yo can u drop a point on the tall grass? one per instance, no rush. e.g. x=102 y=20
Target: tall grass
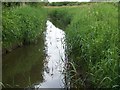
x=22 y=25
x=92 y=38
x=92 y=45
x=60 y=17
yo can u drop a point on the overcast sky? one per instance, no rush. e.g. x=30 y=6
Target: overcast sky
x=68 y=0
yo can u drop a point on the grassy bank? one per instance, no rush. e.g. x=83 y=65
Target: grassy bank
x=22 y=25
x=92 y=44
x=91 y=37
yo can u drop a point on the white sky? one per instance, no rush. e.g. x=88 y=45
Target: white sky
x=68 y=0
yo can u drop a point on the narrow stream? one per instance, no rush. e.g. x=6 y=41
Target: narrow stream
x=29 y=67
x=54 y=62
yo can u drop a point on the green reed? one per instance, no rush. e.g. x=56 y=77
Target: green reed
x=92 y=44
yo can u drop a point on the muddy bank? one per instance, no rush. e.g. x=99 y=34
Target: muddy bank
x=15 y=46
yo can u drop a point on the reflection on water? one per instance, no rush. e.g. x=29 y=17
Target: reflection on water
x=55 y=59
x=28 y=66
x=23 y=66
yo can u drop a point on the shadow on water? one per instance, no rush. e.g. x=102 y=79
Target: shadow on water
x=28 y=66
x=23 y=66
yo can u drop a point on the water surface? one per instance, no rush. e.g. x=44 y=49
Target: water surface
x=37 y=66
x=55 y=59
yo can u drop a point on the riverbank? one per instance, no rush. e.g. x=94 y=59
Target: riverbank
x=91 y=34
x=22 y=26
x=92 y=44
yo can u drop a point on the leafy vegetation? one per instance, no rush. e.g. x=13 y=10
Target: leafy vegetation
x=56 y=15
x=92 y=45
x=22 y=25
x=92 y=38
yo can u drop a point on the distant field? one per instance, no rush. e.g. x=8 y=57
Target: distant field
x=63 y=6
